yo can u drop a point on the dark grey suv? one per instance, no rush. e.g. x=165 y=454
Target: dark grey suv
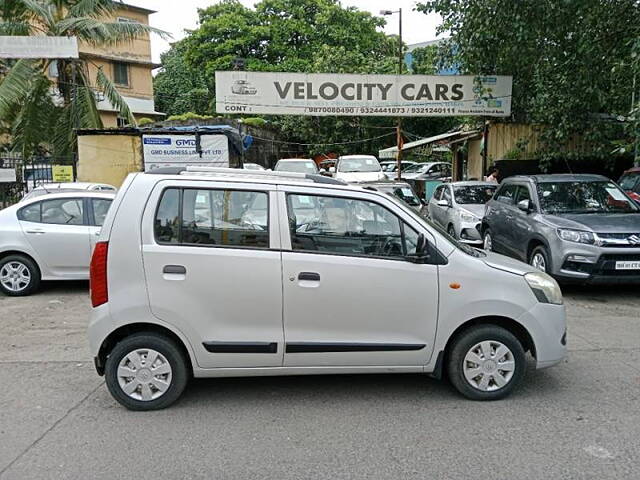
x=580 y=228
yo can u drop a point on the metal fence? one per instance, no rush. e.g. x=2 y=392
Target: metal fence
x=19 y=176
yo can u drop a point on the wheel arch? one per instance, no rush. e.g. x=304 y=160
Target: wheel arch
x=126 y=330
x=533 y=243
x=513 y=326
x=7 y=253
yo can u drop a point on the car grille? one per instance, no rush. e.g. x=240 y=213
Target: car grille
x=620 y=240
x=607 y=265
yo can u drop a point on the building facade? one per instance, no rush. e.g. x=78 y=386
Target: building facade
x=128 y=65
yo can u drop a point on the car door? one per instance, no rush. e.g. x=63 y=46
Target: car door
x=335 y=263
x=519 y=234
x=499 y=215
x=435 y=210
x=212 y=265
x=57 y=230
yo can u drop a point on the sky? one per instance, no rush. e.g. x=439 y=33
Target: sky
x=174 y=16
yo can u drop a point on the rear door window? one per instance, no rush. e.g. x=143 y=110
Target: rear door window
x=209 y=217
x=63 y=211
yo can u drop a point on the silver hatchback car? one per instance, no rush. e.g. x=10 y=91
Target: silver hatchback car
x=577 y=228
x=459 y=207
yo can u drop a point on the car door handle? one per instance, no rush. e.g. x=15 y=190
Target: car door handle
x=37 y=232
x=174 y=269
x=310 y=276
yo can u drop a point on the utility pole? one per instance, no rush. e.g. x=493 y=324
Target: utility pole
x=399 y=141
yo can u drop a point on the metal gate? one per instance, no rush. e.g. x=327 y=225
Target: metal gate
x=19 y=176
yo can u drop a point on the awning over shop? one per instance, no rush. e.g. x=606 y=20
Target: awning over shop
x=443 y=139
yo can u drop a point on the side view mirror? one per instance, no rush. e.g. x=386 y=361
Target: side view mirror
x=422 y=250
x=443 y=203
x=525 y=205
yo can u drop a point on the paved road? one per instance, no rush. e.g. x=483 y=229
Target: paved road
x=578 y=420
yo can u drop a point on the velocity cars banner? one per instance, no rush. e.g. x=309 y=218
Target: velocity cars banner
x=381 y=95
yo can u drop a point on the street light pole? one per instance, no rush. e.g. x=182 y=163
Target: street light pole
x=400 y=62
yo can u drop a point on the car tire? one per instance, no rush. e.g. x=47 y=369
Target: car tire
x=475 y=360
x=540 y=259
x=452 y=231
x=487 y=240
x=161 y=389
x=19 y=276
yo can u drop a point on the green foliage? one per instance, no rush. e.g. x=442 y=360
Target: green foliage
x=561 y=55
x=425 y=60
x=187 y=116
x=41 y=114
x=254 y=121
x=145 y=121
x=178 y=87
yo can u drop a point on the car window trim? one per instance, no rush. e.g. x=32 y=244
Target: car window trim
x=201 y=245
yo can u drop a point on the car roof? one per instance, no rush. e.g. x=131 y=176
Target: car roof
x=559 y=177
x=473 y=183
x=347 y=157
x=633 y=170
x=265 y=177
x=295 y=160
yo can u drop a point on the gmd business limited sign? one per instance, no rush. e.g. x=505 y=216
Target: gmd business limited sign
x=382 y=95
x=180 y=150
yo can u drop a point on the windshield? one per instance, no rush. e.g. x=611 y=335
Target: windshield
x=583 y=197
x=628 y=181
x=475 y=194
x=296 y=167
x=360 y=164
x=404 y=193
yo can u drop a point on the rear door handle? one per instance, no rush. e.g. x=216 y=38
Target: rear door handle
x=39 y=232
x=311 y=276
x=174 y=269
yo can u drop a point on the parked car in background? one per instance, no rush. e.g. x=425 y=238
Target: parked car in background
x=328 y=167
x=630 y=182
x=428 y=171
x=401 y=190
x=296 y=165
x=459 y=207
x=46 y=188
x=49 y=237
x=312 y=299
x=358 y=168
x=579 y=228
x=390 y=169
x=252 y=166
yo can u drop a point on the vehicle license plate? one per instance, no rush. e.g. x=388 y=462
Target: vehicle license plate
x=628 y=265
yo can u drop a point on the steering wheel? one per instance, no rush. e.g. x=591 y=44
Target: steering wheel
x=391 y=248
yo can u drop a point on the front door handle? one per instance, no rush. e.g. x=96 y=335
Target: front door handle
x=175 y=269
x=38 y=232
x=311 y=276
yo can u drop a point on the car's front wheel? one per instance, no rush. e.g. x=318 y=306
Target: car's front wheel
x=487 y=240
x=19 y=276
x=486 y=362
x=539 y=259
x=146 y=371
x=452 y=231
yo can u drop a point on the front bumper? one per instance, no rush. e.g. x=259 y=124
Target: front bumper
x=469 y=232
x=596 y=265
x=546 y=323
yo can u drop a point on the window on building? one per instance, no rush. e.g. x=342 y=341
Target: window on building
x=127 y=20
x=121 y=73
x=121 y=122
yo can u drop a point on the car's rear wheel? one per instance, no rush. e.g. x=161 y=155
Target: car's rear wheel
x=19 y=275
x=487 y=240
x=146 y=371
x=539 y=259
x=486 y=362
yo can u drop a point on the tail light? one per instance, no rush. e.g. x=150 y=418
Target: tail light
x=98 y=274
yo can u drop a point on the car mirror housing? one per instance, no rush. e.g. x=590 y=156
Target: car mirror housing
x=443 y=203
x=422 y=251
x=525 y=205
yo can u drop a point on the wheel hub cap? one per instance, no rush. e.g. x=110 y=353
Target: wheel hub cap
x=144 y=374
x=489 y=366
x=15 y=276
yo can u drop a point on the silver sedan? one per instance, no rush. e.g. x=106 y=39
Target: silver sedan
x=49 y=237
x=459 y=207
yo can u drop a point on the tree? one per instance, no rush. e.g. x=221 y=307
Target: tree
x=312 y=36
x=561 y=55
x=178 y=87
x=40 y=112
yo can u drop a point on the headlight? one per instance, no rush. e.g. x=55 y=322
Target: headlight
x=467 y=217
x=577 y=236
x=544 y=287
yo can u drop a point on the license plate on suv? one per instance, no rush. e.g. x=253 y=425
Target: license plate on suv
x=634 y=265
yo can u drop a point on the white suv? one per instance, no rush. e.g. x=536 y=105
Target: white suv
x=215 y=272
